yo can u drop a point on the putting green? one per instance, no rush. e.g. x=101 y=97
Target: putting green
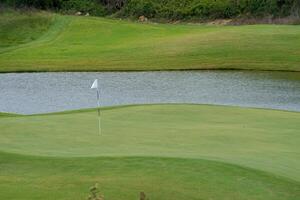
x=163 y=150
x=93 y=44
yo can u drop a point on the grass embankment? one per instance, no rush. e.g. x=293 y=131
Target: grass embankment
x=98 y=44
x=255 y=153
x=18 y=28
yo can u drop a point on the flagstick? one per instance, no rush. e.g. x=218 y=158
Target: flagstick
x=98 y=102
x=95 y=86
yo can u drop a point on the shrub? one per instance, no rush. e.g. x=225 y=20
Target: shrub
x=140 y=7
x=41 y=4
x=170 y=9
x=94 y=7
x=212 y=9
x=85 y=6
x=177 y=9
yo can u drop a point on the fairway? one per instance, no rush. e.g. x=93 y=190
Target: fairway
x=69 y=43
x=168 y=151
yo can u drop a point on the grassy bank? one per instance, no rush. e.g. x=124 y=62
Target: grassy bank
x=25 y=177
x=22 y=27
x=163 y=150
x=98 y=44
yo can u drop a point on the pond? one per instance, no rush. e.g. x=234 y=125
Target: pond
x=32 y=93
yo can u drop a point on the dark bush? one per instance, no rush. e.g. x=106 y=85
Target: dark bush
x=41 y=4
x=93 y=7
x=210 y=9
x=177 y=9
x=140 y=7
x=84 y=6
x=170 y=9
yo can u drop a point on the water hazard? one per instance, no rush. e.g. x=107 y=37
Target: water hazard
x=31 y=93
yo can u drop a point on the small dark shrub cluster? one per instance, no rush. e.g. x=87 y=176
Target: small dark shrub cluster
x=95 y=194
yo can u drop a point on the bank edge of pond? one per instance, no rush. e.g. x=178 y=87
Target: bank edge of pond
x=105 y=108
x=150 y=70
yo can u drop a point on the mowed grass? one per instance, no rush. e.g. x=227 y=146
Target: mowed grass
x=99 y=44
x=168 y=151
x=35 y=178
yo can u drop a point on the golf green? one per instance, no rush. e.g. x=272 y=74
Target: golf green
x=167 y=151
x=69 y=43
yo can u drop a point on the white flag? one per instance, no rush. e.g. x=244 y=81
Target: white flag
x=95 y=84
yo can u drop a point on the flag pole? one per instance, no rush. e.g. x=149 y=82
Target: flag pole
x=95 y=86
x=99 y=118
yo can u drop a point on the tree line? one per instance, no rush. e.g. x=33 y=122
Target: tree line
x=168 y=9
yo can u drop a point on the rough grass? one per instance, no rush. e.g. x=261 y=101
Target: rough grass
x=22 y=27
x=163 y=150
x=97 y=44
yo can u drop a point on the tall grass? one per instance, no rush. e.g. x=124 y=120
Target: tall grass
x=18 y=27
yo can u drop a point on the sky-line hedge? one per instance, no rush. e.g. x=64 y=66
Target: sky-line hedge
x=169 y=9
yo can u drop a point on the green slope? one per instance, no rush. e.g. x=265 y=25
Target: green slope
x=93 y=44
x=262 y=139
x=35 y=178
x=18 y=28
